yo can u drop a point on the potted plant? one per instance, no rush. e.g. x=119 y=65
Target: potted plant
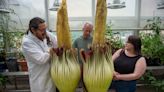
x=3 y=66
x=22 y=62
x=16 y=44
x=152 y=44
x=3 y=81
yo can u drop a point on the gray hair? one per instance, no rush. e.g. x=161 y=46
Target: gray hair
x=88 y=25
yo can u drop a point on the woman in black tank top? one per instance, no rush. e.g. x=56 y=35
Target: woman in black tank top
x=129 y=65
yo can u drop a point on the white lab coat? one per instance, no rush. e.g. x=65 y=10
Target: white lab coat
x=38 y=61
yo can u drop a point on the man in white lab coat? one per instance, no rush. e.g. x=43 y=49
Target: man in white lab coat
x=36 y=50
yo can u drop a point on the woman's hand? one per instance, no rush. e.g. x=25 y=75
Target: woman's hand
x=115 y=75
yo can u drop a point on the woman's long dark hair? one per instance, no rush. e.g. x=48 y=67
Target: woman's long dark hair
x=34 y=23
x=136 y=41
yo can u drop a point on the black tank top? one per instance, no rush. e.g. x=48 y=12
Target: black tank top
x=125 y=64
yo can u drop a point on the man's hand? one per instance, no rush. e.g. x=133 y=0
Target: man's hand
x=57 y=51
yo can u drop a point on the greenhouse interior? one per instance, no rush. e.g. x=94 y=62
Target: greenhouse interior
x=42 y=48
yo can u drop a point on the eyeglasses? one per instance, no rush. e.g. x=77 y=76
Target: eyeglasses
x=42 y=30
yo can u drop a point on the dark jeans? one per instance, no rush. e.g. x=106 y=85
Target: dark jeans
x=124 y=86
